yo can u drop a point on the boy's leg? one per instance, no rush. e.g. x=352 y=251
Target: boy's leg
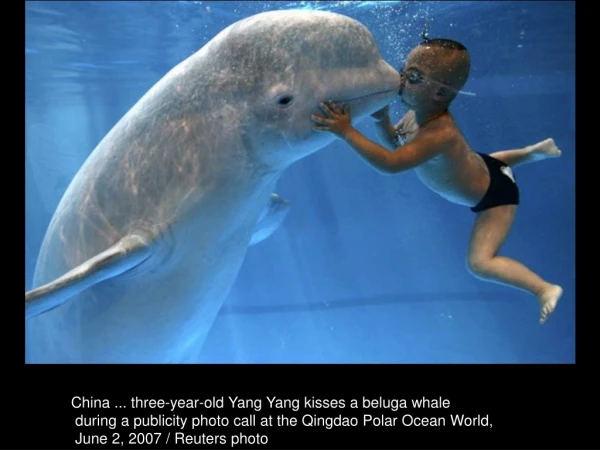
x=489 y=233
x=536 y=152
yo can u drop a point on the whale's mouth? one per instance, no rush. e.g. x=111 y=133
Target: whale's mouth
x=370 y=94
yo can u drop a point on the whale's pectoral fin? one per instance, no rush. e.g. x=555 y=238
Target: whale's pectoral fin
x=124 y=255
x=271 y=218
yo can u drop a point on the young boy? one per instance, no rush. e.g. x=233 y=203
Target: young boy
x=430 y=142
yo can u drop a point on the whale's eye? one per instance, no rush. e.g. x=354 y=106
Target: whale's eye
x=284 y=100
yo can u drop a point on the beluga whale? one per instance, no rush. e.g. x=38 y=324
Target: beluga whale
x=151 y=233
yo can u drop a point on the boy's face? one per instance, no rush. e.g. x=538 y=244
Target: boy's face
x=421 y=76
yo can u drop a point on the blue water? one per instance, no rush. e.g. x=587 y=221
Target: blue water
x=366 y=268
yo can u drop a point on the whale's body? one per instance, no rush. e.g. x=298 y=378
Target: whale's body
x=150 y=235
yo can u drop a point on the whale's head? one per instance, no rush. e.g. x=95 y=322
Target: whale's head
x=280 y=65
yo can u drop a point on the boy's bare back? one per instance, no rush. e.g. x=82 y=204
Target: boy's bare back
x=457 y=173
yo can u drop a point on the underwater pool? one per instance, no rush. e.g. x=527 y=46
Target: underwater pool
x=365 y=267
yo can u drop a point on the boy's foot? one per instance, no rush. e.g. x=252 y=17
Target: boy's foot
x=544 y=149
x=548 y=300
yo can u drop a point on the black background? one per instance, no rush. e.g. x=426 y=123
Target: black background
x=528 y=406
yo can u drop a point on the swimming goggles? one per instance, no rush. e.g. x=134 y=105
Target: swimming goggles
x=414 y=76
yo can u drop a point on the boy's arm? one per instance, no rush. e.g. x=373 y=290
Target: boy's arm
x=426 y=145
x=413 y=154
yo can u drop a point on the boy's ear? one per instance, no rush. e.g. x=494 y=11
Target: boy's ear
x=442 y=93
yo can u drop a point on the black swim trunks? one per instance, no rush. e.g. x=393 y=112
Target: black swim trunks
x=503 y=189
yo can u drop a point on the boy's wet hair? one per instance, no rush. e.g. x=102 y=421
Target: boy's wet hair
x=451 y=44
x=443 y=43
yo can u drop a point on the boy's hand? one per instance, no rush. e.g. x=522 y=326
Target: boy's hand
x=381 y=114
x=337 y=120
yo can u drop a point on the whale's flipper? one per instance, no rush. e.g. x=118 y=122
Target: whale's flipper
x=124 y=255
x=271 y=218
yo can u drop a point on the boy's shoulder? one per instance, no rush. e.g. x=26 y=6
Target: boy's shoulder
x=441 y=133
x=445 y=126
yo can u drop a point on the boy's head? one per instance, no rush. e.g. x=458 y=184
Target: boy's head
x=434 y=72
